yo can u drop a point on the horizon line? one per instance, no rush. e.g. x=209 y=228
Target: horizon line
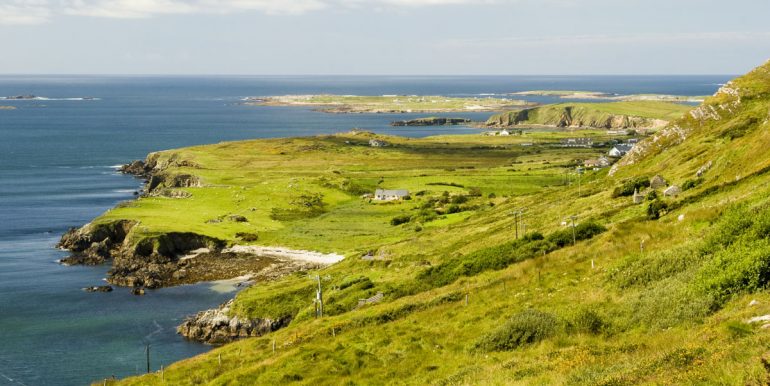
x=354 y=75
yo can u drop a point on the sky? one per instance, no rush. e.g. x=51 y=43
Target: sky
x=383 y=37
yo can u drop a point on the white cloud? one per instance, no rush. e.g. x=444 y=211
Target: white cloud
x=40 y=11
x=127 y=9
x=20 y=12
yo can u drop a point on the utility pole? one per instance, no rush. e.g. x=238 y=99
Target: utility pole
x=516 y=223
x=574 y=237
x=320 y=298
x=147 y=351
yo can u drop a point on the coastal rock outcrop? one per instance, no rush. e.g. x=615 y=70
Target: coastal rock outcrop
x=216 y=326
x=98 y=288
x=573 y=117
x=431 y=121
x=94 y=243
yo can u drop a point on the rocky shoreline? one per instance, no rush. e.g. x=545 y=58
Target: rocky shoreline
x=147 y=262
x=432 y=121
x=216 y=326
x=167 y=259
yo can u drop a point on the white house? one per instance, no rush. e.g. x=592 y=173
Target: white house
x=577 y=142
x=504 y=132
x=390 y=195
x=620 y=149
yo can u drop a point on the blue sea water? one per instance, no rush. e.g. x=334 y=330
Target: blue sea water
x=56 y=171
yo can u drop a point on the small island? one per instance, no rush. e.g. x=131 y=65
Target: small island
x=390 y=104
x=7 y=108
x=432 y=121
x=571 y=94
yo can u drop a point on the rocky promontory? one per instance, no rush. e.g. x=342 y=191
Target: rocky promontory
x=617 y=115
x=216 y=326
x=432 y=121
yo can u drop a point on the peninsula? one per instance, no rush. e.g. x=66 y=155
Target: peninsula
x=566 y=94
x=482 y=260
x=615 y=115
x=349 y=104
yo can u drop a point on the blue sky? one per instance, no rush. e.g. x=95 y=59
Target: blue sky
x=420 y=37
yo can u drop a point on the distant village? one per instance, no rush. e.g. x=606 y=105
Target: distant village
x=617 y=150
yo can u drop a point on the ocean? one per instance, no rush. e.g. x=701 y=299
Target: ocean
x=57 y=170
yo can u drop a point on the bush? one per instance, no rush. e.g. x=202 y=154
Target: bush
x=498 y=257
x=459 y=199
x=582 y=231
x=398 y=220
x=743 y=267
x=655 y=209
x=628 y=187
x=589 y=321
x=640 y=271
x=247 y=237
x=474 y=191
x=689 y=184
x=527 y=327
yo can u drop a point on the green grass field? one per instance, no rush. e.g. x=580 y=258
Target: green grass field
x=642 y=296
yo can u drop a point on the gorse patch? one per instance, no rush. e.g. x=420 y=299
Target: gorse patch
x=526 y=327
x=501 y=256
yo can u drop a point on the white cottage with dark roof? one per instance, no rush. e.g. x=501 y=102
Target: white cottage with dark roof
x=390 y=195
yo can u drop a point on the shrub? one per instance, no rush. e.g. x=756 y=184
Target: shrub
x=500 y=256
x=628 y=187
x=589 y=321
x=398 y=220
x=459 y=199
x=527 y=327
x=247 y=237
x=670 y=302
x=689 y=184
x=743 y=267
x=638 y=271
x=655 y=209
x=582 y=231
x=474 y=191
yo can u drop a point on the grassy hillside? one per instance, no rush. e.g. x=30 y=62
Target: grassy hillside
x=642 y=114
x=653 y=293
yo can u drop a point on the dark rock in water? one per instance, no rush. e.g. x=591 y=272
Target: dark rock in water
x=138 y=291
x=432 y=121
x=137 y=168
x=215 y=326
x=98 y=288
x=30 y=96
